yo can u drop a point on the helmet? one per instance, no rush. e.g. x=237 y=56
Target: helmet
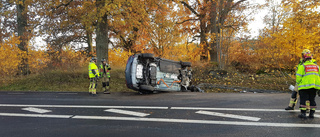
x=102 y=60
x=93 y=59
x=306 y=51
x=306 y=54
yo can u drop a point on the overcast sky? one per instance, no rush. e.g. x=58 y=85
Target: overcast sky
x=258 y=24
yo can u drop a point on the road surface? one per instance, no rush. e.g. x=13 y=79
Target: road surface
x=170 y=114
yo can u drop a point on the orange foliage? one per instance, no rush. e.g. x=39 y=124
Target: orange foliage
x=183 y=52
x=118 y=57
x=37 y=60
x=243 y=58
x=67 y=59
x=10 y=56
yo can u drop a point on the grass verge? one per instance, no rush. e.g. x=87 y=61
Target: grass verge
x=63 y=81
x=78 y=81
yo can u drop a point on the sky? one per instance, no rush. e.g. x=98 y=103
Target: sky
x=258 y=24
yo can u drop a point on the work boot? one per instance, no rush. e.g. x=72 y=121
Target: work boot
x=289 y=108
x=311 y=114
x=303 y=114
x=94 y=95
x=106 y=91
x=292 y=103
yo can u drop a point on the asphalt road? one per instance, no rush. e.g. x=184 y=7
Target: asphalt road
x=179 y=114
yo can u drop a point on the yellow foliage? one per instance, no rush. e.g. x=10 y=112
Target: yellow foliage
x=183 y=52
x=37 y=60
x=118 y=57
x=10 y=56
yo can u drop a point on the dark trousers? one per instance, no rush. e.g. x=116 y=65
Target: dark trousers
x=294 y=94
x=307 y=94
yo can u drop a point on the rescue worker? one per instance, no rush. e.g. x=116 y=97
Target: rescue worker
x=308 y=80
x=295 y=95
x=93 y=75
x=105 y=76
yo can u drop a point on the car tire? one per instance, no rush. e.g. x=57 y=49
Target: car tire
x=183 y=89
x=146 y=88
x=147 y=55
x=186 y=64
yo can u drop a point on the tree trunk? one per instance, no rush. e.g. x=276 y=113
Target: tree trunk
x=203 y=40
x=22 y=33
x=89 y=42
x=102 y=39
x=213 y=21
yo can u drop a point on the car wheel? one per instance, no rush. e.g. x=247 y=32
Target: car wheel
x=147 y=55
x=146 y=88
x=183 y=89
x=186 y=64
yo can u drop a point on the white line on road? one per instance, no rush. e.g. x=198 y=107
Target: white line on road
x=199 y=121
x=126 y=112
x=232 y=109
x=35 y=115
x=149 y=107
x=228 y=115
x=37 y=110
x=80 y=106
x=190 y=121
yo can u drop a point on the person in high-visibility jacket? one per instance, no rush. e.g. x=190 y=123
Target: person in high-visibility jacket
x=295 y=95
x=93 y=75
x=105 y=75
x=308 y=80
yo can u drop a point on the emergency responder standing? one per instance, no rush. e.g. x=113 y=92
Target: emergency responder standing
x=308 y=80
x=295 y=95
x=93 y=75
x=105 y=76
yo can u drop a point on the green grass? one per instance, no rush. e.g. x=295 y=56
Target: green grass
x=78 y=81
x=64 y=81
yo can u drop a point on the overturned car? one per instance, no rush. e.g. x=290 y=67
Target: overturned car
x=146 y=73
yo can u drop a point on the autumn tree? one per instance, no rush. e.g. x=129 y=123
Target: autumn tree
x=299 y=30
x=8 y=20
x=210 y=17
x=15 y=20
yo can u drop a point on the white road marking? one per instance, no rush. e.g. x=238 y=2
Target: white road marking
x=79 y=106
x=190 y=121
x=198 y=121
x=35 y=115
x=315 y=115
x=148 y=107
x=228 y=115
x=233 y=109
x=126 y=112
x=37 y=110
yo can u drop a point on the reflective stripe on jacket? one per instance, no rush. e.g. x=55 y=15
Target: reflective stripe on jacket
x=301 y=63
x=307 y=76
x=104 y=69
x=93 y=70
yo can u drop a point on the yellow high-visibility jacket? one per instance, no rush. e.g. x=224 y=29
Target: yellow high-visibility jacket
x=307 y=75
x=93 y=70
x=105 y=69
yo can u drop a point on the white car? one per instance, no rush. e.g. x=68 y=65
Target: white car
x=146 y=73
